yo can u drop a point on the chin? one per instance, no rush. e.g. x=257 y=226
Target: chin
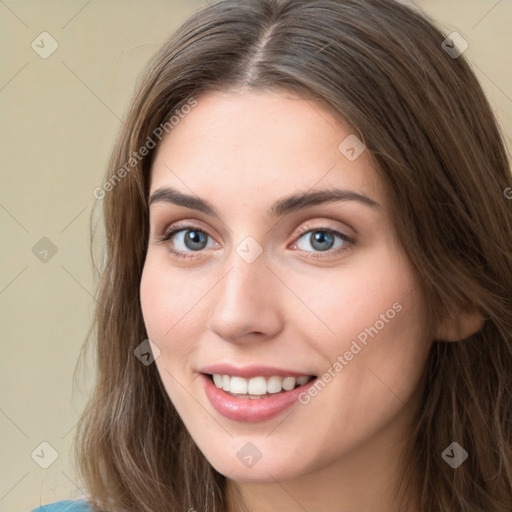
x=276 y=467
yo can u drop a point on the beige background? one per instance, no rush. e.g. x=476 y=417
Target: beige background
x=60 y=116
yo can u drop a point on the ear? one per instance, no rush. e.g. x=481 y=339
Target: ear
x=459 y=325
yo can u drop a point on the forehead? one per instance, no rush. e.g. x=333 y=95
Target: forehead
x=256 y=146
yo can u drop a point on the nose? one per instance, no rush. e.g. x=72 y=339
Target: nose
x=245 y=304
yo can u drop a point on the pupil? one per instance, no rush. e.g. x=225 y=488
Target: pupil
x=319 y=237
x=195 y=237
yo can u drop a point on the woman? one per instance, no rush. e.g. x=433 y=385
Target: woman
x=306 y=214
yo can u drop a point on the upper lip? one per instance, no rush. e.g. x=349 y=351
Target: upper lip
x=250 y=371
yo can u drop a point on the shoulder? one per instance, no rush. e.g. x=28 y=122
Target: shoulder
x=65 y=506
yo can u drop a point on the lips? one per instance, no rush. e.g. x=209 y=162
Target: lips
x=252 y=393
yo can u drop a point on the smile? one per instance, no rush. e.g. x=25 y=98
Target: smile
x=258 y=387
x=252 y=394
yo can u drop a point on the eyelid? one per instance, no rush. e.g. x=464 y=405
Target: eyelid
x=178 y=226
x=306 y=228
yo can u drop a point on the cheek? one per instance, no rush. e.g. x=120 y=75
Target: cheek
x=375 y=343
x=173 y=307
x=154 y=301
x=378 y=297
x=162 y=304
x=164 y=296
x=164 y=311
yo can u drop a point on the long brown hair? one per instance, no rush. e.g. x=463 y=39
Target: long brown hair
x=438 y=149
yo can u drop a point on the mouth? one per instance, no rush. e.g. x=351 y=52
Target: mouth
x=255 y=397
x=253 y=393
x=258 y=387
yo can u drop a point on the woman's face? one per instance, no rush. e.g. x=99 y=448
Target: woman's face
x=273 y=289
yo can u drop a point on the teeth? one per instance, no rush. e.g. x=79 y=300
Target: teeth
x=274 y=384
x=257 y=386
x=288 y=383
x=218 y=380
x=302 y=380
x=238 y=385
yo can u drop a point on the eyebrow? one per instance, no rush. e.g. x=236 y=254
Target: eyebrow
x=281 y=207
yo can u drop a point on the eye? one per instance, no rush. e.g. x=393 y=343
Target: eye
x=322 y=240
x=189 y=239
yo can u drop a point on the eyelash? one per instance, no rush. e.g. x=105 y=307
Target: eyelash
x=176 y=228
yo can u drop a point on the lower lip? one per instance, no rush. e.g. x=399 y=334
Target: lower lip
x=247 y=409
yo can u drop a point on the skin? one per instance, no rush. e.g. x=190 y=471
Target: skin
x=242 y=151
